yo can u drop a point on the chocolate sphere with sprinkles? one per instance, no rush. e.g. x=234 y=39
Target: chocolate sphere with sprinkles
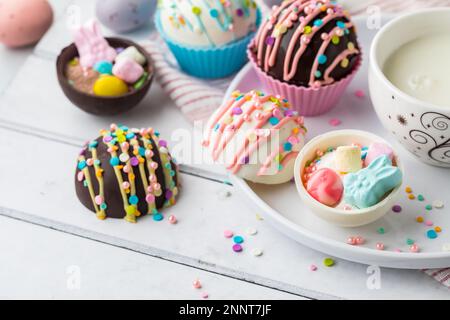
x=126 y=173
x=308 y=43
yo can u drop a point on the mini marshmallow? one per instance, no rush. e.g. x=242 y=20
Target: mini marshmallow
x=376 y=150
x=133 y=54
x=325 y=186
x=128 y=70
x=348 y=159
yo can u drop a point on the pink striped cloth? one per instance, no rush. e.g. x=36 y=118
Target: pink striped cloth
x=197 y=99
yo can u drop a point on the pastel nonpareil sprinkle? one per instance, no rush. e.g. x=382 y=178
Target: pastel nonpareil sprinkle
x=334 y=122
x=257 y=252
x=360 y=93
x=438 y=204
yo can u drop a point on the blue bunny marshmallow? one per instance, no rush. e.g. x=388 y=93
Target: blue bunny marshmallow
x=368 y=186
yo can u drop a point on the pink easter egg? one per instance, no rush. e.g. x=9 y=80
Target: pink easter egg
x=24 y=22
x=325 y=186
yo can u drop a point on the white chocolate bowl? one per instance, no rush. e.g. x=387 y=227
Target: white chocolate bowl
x=340 y=217
x=421 y=127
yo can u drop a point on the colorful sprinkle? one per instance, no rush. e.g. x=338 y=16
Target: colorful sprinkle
x=429 y=223
x=360 y=240
x=411 y=196
x=340 y=24
x=173 y=219
x=214 y=13
x=414 y=248
x=438 y=229
x=287 y=147
x=431 y=234
x=270 y=41
x=381 y=231
x=429 y=207
x=408 y=190
x=397 y=208
x=379 y=246
x=237 y=248
x=322 y=59
x=438 y=204
x=335 y=40
x=409 y=242
x=134 y=199
x=196 y=10
x=334 y=122
x=274 y=121
x=158 y=217
x=257 y=252
x=81 y=165
x=420 y=197
x=419 y=219
x=328 y=262
x=197 y=284
x=238 y=239
x=360 y=93
x=205 y=295
x=228 y=234
x=114 y=161
x=351 y=241
x=313 y=267
x=236 y=111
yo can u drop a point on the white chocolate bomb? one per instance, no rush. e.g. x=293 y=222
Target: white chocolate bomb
x=256 y=136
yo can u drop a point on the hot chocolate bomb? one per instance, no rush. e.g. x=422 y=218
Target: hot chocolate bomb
x=307 y=43
x=126 y=173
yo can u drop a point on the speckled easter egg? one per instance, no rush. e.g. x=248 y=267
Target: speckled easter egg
x=125 y=16
x=24 y=22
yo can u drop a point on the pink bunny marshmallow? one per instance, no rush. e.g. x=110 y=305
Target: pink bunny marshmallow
x=91 y=45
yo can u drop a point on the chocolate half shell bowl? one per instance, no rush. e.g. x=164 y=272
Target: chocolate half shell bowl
x=102 y=105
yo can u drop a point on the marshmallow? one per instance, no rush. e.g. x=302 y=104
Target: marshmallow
x=348 y=159
x=378 y=149
x=133 y=54
x=325 y=186
x=368 y=186
x=128 y=70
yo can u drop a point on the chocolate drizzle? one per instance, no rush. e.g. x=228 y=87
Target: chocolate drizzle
x=125 y=173
x=307 y=43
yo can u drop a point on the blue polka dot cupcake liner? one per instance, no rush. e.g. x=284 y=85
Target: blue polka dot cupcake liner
x=210 y=63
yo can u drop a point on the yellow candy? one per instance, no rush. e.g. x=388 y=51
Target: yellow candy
x=344 y=63
x=110 y=86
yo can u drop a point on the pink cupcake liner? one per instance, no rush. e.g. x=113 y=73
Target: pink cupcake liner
x=308 y=102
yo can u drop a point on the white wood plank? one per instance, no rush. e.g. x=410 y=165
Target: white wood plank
x=37 y=183
x=39 y=263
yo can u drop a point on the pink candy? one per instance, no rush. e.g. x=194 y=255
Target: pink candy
x=376 y=150
x=91 y=45
x=325 y=186
x=128 y=70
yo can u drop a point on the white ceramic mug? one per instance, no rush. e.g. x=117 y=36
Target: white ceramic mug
x=421 y=127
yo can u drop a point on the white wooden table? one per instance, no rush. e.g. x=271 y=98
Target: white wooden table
x=53 y=248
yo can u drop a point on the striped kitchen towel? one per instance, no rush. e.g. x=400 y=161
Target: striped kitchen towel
x=197 y=99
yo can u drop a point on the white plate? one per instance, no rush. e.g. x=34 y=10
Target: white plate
x=282 y=207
